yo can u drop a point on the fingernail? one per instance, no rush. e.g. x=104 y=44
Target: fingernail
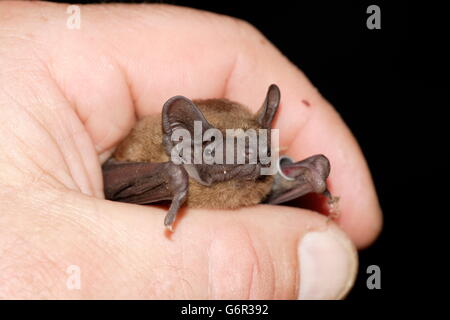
x=328 y=265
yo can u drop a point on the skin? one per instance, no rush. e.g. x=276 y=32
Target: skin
x=68 y=97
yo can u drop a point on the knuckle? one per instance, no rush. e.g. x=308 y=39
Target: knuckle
x=248 y=31
x=239 y=266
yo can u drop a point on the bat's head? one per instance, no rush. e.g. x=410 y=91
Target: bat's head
x=217 y=139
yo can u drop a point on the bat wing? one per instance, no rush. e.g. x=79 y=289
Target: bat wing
x=136 y=182
x=295 y=179
x=146 y=182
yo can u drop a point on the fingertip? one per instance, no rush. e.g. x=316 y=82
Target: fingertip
x=328 y=264
x=349 y=179
x=363 y=227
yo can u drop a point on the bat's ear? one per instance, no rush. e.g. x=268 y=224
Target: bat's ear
x=267 y=111
x=181 y=113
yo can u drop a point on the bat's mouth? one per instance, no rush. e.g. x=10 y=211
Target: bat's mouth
x=250 y=171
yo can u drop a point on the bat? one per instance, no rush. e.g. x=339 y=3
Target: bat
x=142 y=169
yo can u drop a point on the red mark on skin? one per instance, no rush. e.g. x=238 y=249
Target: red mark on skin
x=306 y=103
x=312 y=201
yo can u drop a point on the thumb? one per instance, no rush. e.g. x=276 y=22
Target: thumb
x=261 y=252
x=123 y=251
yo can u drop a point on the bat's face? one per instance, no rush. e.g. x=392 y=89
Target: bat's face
x=243 y=162
x=225 y=141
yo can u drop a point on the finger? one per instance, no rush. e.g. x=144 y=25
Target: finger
x=207 y=56
x=123 y=251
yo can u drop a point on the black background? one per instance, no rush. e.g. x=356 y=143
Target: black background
x=386 y=84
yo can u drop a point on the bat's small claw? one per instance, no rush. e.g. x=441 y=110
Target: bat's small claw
x=327 y=194
x=169 y=227
x=333 y=205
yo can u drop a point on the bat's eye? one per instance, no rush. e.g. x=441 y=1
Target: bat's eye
x=210 y=153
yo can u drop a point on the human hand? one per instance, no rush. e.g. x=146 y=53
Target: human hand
x=69 y=96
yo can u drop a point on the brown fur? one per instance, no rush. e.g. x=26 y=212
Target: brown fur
x=144 y=144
